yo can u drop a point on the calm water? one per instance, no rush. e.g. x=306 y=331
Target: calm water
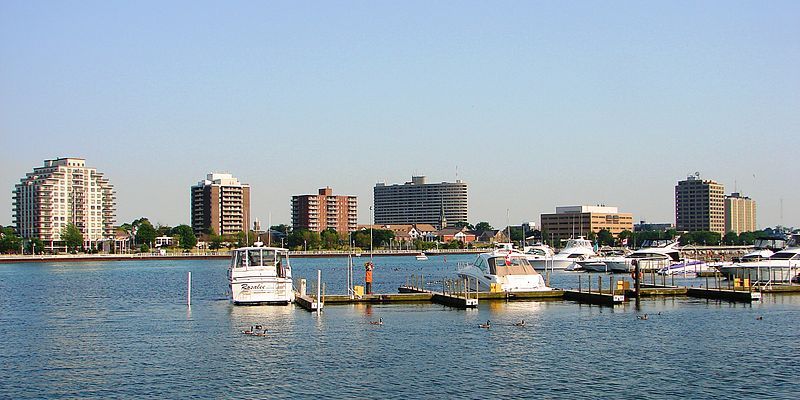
x=122 y=330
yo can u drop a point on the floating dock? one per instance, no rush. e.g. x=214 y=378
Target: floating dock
x=601 y=299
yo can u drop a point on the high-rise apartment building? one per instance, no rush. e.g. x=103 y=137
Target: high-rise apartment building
x=699 y=205
x=740 y=214
x=575 y=221
x=64 y=191
x=222 y=203
x=318 y=212
x=418 y=202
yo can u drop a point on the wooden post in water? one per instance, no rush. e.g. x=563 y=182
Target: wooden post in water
x=599 y=284
x=637 y=282
x=189 y=290
x=611 y=284
x=319 y=290
x=580 y=289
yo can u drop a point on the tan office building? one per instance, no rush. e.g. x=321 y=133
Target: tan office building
x=222 y=203
x=740 y=214
x=699 y=205
x=64 y=191
x=318 y=212
x=575 y=221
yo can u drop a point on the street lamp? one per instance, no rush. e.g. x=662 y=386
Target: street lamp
x=305 y=245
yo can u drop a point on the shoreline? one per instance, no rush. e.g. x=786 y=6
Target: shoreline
x=210 y=256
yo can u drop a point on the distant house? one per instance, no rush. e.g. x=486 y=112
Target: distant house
x=407 y=232
x=492 y=236
x=460 y=234
x=164 y=241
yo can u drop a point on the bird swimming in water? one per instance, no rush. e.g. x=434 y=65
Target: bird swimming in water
x=487 y=325
x=642 y=317
x=520 y=323
x=378 y=322
x=249 y=331
x=760 y=317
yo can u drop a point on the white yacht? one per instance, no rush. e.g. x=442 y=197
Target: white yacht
x=781 y=267
x=260 y=275
x=538 y=252
x=687 y=267
x=658 y=255
x=504 y=269
x=575 y=250
x=422 y=257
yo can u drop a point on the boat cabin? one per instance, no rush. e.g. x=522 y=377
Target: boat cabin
x=502 y=265
x=261 y=258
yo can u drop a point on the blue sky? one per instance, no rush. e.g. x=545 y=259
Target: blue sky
x=535 y=104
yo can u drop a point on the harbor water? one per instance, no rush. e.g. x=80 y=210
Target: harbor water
x=122 y=329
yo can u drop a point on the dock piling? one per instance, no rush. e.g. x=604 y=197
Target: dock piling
x=189 y=290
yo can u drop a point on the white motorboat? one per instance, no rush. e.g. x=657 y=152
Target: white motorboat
x=575 y=250
x=687 y=267
x=422 y=257
x=538 y=252
x=260 y=275
x=503 y=270
x=648 y=258
x=781 y=267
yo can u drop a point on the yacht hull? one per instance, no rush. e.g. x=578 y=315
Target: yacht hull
x=261 y=291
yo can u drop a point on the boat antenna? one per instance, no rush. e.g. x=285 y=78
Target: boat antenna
x=269 y=229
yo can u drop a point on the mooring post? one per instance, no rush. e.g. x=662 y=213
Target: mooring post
x=599 y=284
x=637 y=284
x=611 y=284
x=189 y=290
x=319 y=290
x=580 y=289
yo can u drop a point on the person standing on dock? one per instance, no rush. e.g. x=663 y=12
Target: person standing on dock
x=368 y=266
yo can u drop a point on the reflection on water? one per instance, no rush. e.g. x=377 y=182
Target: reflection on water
x=123 y=330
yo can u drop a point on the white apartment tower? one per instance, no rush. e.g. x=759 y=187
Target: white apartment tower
x=740 y=214
x=61 y=192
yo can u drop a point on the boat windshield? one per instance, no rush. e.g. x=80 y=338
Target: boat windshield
x=784 y=255
x=256 y=258
x=502 y=266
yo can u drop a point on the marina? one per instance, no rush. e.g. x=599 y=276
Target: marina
x=149 y=325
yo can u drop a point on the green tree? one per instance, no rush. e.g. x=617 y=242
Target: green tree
x=605 y=238
x=382 y=237
x=145 y=232
x=330 y=238
x=483 y=226
x=304 y=239
x=9 y=241
x=462 y=224
x=361 y=238
x=164 y=230
x=72 y=237
x=516 y=233
x=35 y=246
x=747 y=238
x=186 y=236
x=730 y=238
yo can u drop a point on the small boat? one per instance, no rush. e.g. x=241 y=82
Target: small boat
x=687 y=267
x=422 y=257
x=503 y=270
x=260 y=275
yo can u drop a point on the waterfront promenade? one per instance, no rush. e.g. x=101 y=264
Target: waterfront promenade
x=16 y=258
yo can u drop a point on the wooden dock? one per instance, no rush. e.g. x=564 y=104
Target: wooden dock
x=745 y=296
x=307 y=302
x=597 y=298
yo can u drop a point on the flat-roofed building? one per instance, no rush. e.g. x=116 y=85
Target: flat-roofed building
x=699 y=205
x=64 y=191
x=220 y=203
x=740 y=214
x=318 y=212
x=418 y=202
x=575 y=221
